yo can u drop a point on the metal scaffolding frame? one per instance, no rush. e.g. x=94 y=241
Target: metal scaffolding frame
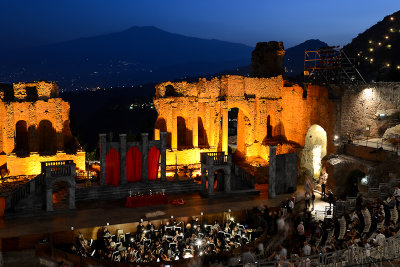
x=330 y=65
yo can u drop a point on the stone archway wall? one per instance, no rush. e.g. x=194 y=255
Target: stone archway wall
x=291 y=114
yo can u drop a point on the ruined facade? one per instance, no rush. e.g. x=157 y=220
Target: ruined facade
x=34 y=127
x=195 y=116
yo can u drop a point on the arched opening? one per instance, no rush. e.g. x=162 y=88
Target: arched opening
x=153 y=163
x=269 y=127
x=219 y=180
x=314 y=150
x=161 y=126
x=21 y=138
x=184 y=137
x=47 y=138
x=60 y=195
x=134 y=165
x=202 y=134
x=232 y=129
x=69 y=145
x=112 y=167
x=354 y=180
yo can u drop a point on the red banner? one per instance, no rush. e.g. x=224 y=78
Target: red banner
x=112 y=167
x=134 y=165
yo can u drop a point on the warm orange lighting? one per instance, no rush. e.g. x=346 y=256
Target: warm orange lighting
x=371 y=60
x=358 y=54
x=370 y=41
x=386 y=37
x=379 y=43
x=371 y=49
x=387 y=65
x=398 y=67
x=392 y=18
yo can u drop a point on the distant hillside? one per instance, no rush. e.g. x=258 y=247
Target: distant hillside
x=377 y=50
x=136 y=56
x=294 y=56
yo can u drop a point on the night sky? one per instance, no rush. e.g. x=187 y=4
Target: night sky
x=29 y=23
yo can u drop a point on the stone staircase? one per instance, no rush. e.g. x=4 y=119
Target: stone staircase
x=108 y=192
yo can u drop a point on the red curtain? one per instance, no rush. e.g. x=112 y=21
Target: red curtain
x=134 y=165
x=112 y=167
x=153 y=160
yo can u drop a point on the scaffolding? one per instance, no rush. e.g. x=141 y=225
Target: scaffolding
x=330 y=65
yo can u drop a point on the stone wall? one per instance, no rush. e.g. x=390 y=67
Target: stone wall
x=362 y=106
x=31 y=165
x=43 y=118
x=264 y=105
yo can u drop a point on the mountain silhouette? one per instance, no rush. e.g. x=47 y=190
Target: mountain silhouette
x=377 y=50
x=135 y=56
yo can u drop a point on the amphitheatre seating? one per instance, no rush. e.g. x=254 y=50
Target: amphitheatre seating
x=342 y=230
x=373 y=192
x=367 y=220
x=394 y=182
x=394 y=215
x=384 y=190
x=380 y=225
x=351 y=204
x=330 y=234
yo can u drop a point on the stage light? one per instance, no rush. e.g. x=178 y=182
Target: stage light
x=398 y=67
x=386 y=37
x=364 y=180
x=391 y=30
x=387 y=64
x=229 y=210
x=389 y=46
x=232 y=219
x=141 y=220
x=379 y=43
x=172 y=216
x=201 y=213
x=370 y=41
x=198 y=242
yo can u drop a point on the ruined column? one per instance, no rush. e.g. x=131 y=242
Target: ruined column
x=225 y=130
x=272 y=172
x=203 y=181
x=103 y=155
x=145 y=152
x=174 y=133
x=210 y=183
x=195 y=127
x=122 y=154
x=49 y=199
x=71 y=197
x=211 y=127
x=163 y=138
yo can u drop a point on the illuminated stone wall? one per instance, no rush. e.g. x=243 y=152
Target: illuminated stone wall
x=362 y=106
x=45 y=126
x=290 y=115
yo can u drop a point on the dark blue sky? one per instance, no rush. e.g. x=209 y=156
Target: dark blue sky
x=30 y=22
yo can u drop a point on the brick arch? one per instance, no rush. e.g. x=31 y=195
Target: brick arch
x=21 y=137
x=47 y=138
x=161 y=126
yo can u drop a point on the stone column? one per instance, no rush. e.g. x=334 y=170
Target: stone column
x=122 y=154
x=195 y=126
x=103 y=154
x=156 y=134
x=145 y=152
x=225 y=130
x=210 y=183
x=272 y=172
x=49 y=199
x=228 y=176
x=71 y=197
x=163 y=138
x=174 y=132
x=203 y=181
x=211 y=127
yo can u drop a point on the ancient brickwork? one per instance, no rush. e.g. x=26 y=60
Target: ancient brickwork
x=264 y=105
x=34 y=126
x=374 y=105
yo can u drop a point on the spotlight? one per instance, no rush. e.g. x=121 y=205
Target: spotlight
x=229 y=210
x=141 y=220
x=232 y=219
